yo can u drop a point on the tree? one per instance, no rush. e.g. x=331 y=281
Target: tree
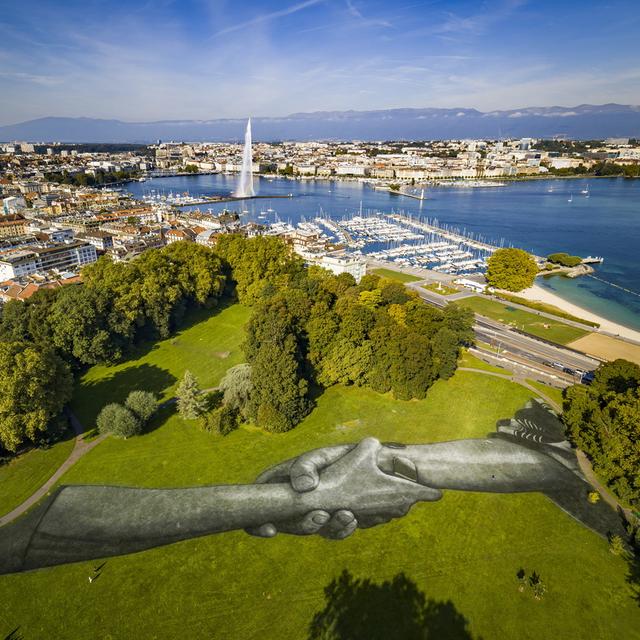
x=191 y=402
x=35 y=384
x=257 y=263
x=143 y=404
x=564 y=259
x=511 y=269
x=279 y=398
x=222 y=420
x=604 y=421
x=445 y=349
x=237 y=387
x=118 y=421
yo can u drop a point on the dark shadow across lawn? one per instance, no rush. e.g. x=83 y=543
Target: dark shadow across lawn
x=392 y=610
x=92 y=395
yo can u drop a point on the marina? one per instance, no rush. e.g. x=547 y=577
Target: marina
x=519 y=214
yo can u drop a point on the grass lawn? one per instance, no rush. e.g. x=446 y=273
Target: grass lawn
x=28 y=472
x=553 y=392
x=395 y=275
x=208 y=345
x=469 y=360
x=532 y=323
x=442 y=289
x=462 y=553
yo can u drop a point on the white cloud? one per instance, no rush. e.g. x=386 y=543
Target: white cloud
x=266 y=17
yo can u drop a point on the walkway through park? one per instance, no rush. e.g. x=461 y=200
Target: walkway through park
x=80 y=448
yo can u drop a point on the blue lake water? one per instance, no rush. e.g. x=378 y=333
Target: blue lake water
x=534 y=215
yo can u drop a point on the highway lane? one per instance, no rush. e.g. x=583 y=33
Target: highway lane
x=536 y=351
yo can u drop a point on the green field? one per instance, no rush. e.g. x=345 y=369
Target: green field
x=442 y=289
x=28 y=472
x=553 y=392
x=469 y=360
x=207 y=346
x=462 y=553
x=546 y=308
x=536 y=325
x=395 y=275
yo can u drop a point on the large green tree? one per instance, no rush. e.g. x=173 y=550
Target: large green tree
x=604 y=421
x=35 y=384
x=511 y=269
x=237 y=387
x=279 y=397
x=257 y=263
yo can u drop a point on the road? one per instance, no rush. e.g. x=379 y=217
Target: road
x=545 y=358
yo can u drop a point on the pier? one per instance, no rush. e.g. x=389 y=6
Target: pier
x=409 y=195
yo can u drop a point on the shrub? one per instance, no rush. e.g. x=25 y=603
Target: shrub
x=143 y=404
x=118 y=421
x=564 y=259
x=222 y=420
x=616 y=545
x=594 y=497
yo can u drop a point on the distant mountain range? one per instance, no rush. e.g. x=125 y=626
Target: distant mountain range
x=584 y=122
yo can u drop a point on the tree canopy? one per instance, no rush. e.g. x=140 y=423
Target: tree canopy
x=318 y=329
x=564 y=259
x=603 y=419
x=118 y=421
x=511 y=269
x=35 y=384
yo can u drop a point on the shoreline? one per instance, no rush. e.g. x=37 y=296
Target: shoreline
x=537 y=293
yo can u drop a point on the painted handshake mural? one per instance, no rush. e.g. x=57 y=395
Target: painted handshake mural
x=329 y=492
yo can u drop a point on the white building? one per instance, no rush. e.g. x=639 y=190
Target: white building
x=478 y=287
x=345 y=264
x=64 y=257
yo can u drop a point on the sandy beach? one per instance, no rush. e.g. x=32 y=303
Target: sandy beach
x=540 y=294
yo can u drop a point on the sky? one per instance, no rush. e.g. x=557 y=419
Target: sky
x=138 y=60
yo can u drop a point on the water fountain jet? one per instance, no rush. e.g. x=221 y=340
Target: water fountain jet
x=245 y=186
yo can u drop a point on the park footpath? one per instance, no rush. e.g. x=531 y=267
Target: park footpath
x=80 y=448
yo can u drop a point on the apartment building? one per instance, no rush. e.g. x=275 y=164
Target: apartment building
x=64 y=257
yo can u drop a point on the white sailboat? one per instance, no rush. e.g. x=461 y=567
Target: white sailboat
x=570 y=198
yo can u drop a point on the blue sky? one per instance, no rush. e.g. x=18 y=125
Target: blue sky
x=201 y=59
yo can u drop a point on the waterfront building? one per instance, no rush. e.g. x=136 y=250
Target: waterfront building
x=357 y=267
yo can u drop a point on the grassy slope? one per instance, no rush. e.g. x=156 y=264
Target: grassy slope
x=207 y=346
x=395 y=275
x=557 y=332
x=553 y=392
x=465 y=548
x=469 y=360
x=29 y=471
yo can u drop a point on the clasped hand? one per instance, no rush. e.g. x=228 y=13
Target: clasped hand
x=347 y=490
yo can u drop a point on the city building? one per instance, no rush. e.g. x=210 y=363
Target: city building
x=64 y=257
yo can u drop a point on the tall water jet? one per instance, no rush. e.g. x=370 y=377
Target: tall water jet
x=245 y=186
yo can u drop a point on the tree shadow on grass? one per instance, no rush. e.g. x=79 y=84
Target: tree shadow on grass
x=91 y=395
x=392 y=610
